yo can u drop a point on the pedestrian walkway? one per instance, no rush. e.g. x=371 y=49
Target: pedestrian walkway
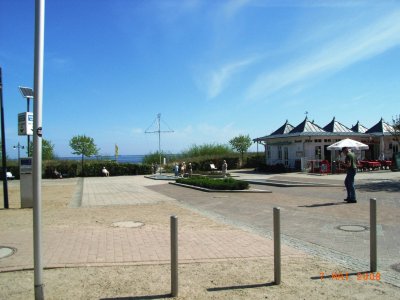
x=86 y=244
x=122 y=190
x=315 y=219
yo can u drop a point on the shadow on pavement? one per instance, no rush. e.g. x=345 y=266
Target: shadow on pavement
x=140 y=297
x=240 y=287
x=387 y=186
x=323 y=204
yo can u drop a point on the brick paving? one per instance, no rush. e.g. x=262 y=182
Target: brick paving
x=311 y=215
x=91 y=246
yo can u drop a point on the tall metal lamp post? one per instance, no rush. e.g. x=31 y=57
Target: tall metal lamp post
x=3 y=145
x=19 y=147
x=28 y=94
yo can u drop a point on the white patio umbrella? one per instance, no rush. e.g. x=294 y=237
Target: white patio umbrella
x=348 y=143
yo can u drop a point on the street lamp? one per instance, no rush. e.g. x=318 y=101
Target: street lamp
x=27 y=93
x=19 y=146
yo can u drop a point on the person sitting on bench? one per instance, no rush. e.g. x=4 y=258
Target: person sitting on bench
x=57 y=174
x=105 y=172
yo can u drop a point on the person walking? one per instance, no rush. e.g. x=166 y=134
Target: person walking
x=183 y=169
x=351 y=166
x=224 y=168
x=190 y=169
x=176 y=170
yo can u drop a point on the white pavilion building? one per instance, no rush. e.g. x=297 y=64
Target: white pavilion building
x=292 y=146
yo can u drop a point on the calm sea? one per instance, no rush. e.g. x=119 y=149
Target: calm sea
x=121 y=158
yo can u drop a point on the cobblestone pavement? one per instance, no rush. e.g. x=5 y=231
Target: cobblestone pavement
x=314 y=218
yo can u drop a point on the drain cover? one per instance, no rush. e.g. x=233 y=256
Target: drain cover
x=396 y=267
x=128 y=224
x=6 y=251
x=353 y=228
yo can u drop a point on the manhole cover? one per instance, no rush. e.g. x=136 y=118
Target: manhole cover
x=6 y=251
x=396 y=267
x=353 y=228
x=128 y=224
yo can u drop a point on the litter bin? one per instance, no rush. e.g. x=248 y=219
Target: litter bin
x=26 y=182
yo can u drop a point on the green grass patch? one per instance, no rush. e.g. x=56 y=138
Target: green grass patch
x=215 y=184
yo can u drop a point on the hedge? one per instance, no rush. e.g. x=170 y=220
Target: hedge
x=215 y=184
x=90 y=168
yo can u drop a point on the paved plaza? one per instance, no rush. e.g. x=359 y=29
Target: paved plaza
x=116 y=243
x=125 y=221
x=314 y=217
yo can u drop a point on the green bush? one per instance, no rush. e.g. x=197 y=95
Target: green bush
x=207 y=150
x=202 y=164
x=215 y=184
x=92 y=168
x=155 y=157
x=254 y=160
x=66 y=168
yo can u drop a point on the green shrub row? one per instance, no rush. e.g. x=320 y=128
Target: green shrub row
x=215 y=184
x=254 y=160
x=203 y=163
x=90 y=168
x=233 y=160
x=93 y=169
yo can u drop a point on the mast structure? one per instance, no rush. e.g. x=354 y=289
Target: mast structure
x=159 y=131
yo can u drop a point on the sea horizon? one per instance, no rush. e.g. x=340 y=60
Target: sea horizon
x=131 y=158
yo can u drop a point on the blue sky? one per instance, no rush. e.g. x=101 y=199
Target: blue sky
x=213 y=69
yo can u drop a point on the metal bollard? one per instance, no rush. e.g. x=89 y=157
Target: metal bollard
x=174 y=256
x=373 y=238
x=277 y=246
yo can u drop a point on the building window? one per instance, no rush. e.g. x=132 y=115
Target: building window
x=280 y=152
x=327 y=140
x=269 y=152
x=317 y=140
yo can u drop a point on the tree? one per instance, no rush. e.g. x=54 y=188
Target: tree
x=47 y=150
x=84 y=146
x=396 y=126
x=241 y=143
x=395 y=131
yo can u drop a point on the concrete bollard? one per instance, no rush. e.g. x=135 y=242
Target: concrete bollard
x=277 y=246
x=373 y=244
x=174 y=256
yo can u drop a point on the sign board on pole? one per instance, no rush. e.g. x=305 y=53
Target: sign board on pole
x=25 y=123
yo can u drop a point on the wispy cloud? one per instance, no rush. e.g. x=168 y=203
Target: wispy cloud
x=219 y=79
x=350 y=48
